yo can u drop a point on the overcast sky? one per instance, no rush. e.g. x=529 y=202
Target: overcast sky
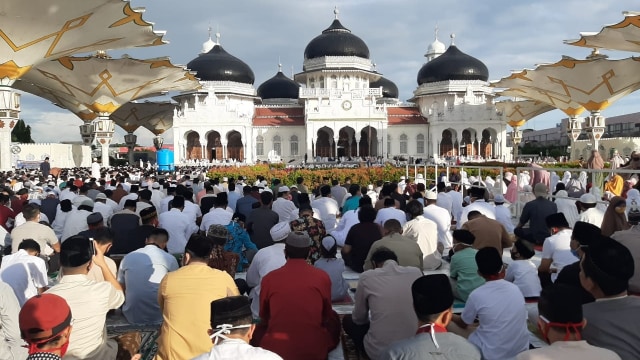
x=505 y=35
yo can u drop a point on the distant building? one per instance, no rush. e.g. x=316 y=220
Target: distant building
x=622 y=133
x=339 y=106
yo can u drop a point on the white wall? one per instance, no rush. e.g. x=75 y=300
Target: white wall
x=60 y=155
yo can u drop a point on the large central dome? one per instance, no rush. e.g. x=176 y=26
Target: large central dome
x=219 y=65
x=453 y=65
x=336 y=40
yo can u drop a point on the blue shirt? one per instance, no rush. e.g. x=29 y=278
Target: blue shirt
x=351 y=203
x=141 y=271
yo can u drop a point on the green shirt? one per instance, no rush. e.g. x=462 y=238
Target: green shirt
x=465 y=271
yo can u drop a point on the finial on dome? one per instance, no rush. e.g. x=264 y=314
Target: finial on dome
x=279 y=65
x=218 y=38
x=292 y=71
x=453 y=38
x=336 y=12
x=435 y=31
x=374 y=65
x=209 y=30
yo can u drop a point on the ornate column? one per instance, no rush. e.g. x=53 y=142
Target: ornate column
x=595 y=128
x=309 y=150
x=9 y=116
x=224 y=143
x=358 y=138
x=103 y=129
x=86 y=132
x=335 y=141
x=130 y=139
x=574 y=128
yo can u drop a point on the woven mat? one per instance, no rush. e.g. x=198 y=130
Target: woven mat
x=148 y=346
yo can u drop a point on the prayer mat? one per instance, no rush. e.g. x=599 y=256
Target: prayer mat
x=148 y=337
x=348 y=347
x=346 y=300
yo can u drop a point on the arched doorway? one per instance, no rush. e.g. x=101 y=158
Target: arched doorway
x=486 y=144
x=214 y=146
x=467 y=147
x=324 y=143
x=235 y=148
x=194 y=148
x=347 y=144
x=446 y=143
x=368 y=141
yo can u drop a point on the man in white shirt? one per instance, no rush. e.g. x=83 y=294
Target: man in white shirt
x=561 y=323
x=522 y=272
x=231 y=330
x=456 y=202
x=140 y=274
x=284 y=207
x=499 y=307
x=100 y=205
x=444 y=200
x=556 y=251
x=442 y=218
x=266 y=260
x=190 y=208
x=11 y=345
x=179 y=226
x=156 y=195
x=588 y=211
x=503 y=213
x=390 y=212
x=327 y=207
x=25 y=271
x=477 y=204
x=89 y=300
x=76 y=221
x=218 y=215
x=164 y=203
x=132 y=195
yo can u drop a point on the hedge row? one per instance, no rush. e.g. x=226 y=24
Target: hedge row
x=362 y=175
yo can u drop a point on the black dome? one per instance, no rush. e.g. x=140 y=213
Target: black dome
x=336 y=40
x=389 y=88
x=453 y=65
x=219 y=65
x=279 y=87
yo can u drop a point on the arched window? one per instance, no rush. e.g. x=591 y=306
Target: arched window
x=277 y=145
x=404 y=148
x=420 y=144
x=259 y=145
x=322 y=84
x=293 y=145
x=388 y=144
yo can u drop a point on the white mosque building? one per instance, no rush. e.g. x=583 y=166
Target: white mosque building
x=338 y=107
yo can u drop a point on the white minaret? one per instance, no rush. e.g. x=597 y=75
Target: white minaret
x=436 y=48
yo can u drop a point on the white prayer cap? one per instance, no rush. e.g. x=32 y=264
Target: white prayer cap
x=280 y=231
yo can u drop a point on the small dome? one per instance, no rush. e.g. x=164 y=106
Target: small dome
x=453 y=65
x=389 y=88
x=436 y=47
x=207 y=46
x=336 y=40
x=219 y=65
x=279 y=87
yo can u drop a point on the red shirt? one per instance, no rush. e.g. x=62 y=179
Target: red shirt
x=295 y=301
x=6 y=214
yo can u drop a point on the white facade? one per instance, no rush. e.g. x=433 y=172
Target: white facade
x=338 y=116
x=60 y=155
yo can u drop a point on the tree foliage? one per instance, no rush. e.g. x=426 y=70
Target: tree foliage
x=21 y=133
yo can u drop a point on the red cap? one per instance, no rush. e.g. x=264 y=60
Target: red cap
x=43 y=317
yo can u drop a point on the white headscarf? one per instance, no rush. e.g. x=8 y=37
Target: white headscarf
x=583 y=179
x=567 y=207
x=595 y=191
x=489 y=181
x=566 y=177
x=523 y=180
x=553 y=180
